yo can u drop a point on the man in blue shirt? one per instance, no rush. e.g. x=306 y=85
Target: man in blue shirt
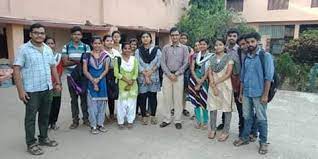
x=255 y=84
x=33 y=66
x=72 y=53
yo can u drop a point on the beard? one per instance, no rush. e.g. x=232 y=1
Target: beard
x=251 y=48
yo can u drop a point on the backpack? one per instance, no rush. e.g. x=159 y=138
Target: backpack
x=274 y=83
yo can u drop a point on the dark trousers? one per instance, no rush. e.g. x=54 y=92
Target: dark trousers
x=111 y=106
x=138 y=104
x=74 y=104
x=152 y=103
x=39 y=102
x=55 y=109
x=239 y=107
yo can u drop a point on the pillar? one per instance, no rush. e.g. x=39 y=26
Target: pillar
x=15 y=38
x=296 y=32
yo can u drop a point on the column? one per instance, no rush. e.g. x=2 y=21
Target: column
x=15 y=38
x=296 y=32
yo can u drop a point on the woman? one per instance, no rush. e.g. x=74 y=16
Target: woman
x=117 y=37
x=56 y=99
x=221 y=97
x=95 y=68
x=112 y=87
x=126 y=71
x=148 y=57
x=198 y=86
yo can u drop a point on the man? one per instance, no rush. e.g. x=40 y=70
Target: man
x=256 y=76
x=174 y=61
x=232 y=49
x=72 y=52
x=184 y=38
x=32 y=73
x=134 y=45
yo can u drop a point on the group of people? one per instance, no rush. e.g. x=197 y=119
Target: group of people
x=237 y=72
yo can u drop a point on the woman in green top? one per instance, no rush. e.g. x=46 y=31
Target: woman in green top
x=126 y=71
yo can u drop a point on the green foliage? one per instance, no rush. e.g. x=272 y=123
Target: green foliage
x=209 y=19
x=305 y=48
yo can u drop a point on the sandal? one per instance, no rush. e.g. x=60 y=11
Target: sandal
x=145 y=121
x=197 y=125
x=186 y=113
x=48 y=142
x=212 y=134
x=130 y=126
x=240 y=142
x=253 y=138
x=154 y=120
x=121 y=126
x=204 y=127
x=263 y=149
x=34 y=149
x=223 y=137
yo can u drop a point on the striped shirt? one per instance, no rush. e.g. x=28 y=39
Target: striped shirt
x=74 y=54
x=35 y=67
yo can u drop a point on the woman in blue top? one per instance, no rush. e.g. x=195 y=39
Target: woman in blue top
x=95 y=68
x=148 y=57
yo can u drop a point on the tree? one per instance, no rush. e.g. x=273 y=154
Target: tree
x=209 y=19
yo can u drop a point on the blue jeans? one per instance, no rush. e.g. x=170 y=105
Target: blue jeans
x=251 y=104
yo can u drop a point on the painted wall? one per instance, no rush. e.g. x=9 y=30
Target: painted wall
x=298 y=10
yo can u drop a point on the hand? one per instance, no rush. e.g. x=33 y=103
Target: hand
x=264 y=99
x=96 y=88
x=96 y=81
x=200 y=81
x=173 y=78
x=130 y=82
x=148 y=80
x=57 y=88
x=128 y=87
x=197 y=87
x=240 y=98
x=24 y=97
x=215 y=91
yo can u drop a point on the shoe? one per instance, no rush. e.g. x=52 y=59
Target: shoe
x=178 y=126
x=154 y=120
x=121 y=126
x=186 y=113
x=145 y=121
x=47 y=142
x=193 y=117
x=263 y=149
x=34 y=149
x=164 y=124
x=94 y=131
x=74 y=125
x=102 y=129
x=220 y=127
x=130 y=126
x=86 y=123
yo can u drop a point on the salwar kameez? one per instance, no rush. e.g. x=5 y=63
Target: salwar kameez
x=127 y=98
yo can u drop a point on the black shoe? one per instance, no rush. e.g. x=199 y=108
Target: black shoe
x=48 y=142
x=220 y=127
x=178 y=126
x=86 y=123
x=54 y=127
x=74 y=125
x=164 y=124
x=172 y=112
x=186 y=113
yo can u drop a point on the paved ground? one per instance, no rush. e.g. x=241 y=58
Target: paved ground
x=293 y=121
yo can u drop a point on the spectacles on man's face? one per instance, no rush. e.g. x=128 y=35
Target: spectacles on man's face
x=38 y=33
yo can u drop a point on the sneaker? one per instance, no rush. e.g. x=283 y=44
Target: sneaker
x=102 y=129
x=35 y=149
x=94 y=131
x=86 y=123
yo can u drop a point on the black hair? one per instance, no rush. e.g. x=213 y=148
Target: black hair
x=114 y=32
x=233 y=30
x=185 y=34
x=133 y=40
x=174 y=29
x=124 y=44
x=242 y=37
x=36 y=25
x=97 y=38
x=205 y=40
x=145 y=32
x=253 y=35
x=220 y=39
x=48 y=38
x=75 y=29
x=107 y=36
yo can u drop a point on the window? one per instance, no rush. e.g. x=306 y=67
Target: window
x=277 y=4
x=314 y=3
x=236 y=5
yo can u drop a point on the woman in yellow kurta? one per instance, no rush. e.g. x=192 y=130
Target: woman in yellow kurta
x=126 y=71
x=221 y=96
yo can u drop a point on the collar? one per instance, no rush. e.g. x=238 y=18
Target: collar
x=257 y=53
x=178 y=45
x=235 y=47
x=71 y=43
x=29 y=44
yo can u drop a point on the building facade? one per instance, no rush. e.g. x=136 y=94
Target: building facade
x=96 y=17
x=278 y=21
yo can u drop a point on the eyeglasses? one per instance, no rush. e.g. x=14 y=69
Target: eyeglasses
x=38 y=33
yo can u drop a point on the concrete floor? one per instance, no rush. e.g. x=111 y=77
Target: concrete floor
x=293 y=121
